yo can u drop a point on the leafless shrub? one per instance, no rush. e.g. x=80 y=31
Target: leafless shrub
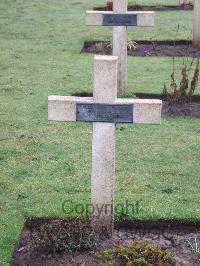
x=182 y=93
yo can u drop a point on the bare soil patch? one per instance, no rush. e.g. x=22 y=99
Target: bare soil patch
x=172 y=235
x=146 y=48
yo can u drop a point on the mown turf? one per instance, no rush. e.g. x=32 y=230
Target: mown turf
x=44 y=163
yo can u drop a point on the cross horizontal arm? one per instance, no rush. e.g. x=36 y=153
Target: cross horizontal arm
x=68 y=108
x=108 y=18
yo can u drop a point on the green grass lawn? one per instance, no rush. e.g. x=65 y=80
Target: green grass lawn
x=44 y=163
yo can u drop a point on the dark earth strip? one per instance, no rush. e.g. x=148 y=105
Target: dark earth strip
x=146 y=48
x=136 y=7
x=172 y=235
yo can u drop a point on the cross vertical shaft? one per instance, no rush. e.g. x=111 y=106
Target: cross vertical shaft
x=196 y=23
x=103 y=146
x=120 y=46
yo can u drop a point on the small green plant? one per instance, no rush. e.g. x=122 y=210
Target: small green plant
x=140 y=254
x=155 y=44
x=131 y=45
x=194 y=245
x=106 y=255
x=109 y=45
x=99 y=46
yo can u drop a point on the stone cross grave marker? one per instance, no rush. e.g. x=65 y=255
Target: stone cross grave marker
x=196 y=23
x=120 y=19
x=104 y=109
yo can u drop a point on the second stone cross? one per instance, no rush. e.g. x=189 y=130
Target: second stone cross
x=120 y=19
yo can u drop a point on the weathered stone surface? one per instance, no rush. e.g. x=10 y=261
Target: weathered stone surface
x=196 y=23
x=105 y=76
x=95 y=18
x=144 y=111
x=63 y=108
x=120 y=6
x=184 y=2
x=120 y=50
x=147 y=114
x=103 y=176
x=144 y=18
x=103 y=145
